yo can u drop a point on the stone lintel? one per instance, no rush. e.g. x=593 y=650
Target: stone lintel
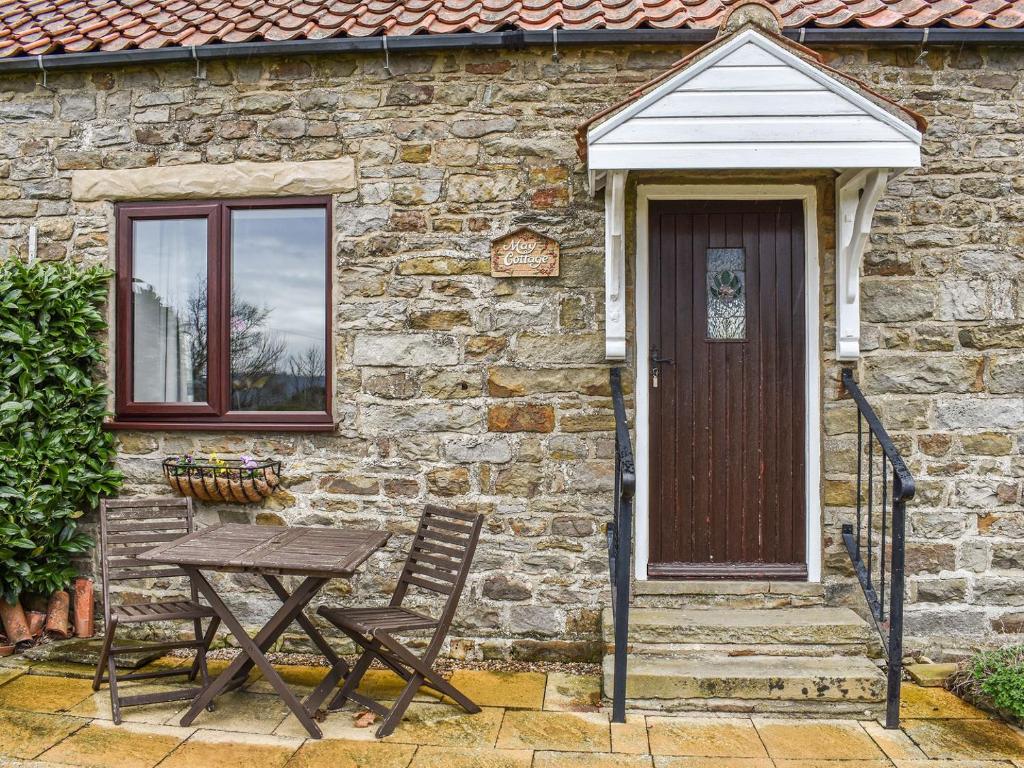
x=207 y=180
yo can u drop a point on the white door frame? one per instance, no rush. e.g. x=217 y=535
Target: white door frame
x=812 y=365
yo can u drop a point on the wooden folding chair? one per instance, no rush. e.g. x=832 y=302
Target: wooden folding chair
x=438 y=561
x=127 y=528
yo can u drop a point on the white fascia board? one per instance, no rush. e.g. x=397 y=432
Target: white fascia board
x=888 y=154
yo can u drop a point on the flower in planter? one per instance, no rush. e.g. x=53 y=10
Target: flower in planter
x=219 y=463
x=250 y=464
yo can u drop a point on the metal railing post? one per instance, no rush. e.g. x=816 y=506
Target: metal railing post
x=620 y=546
x=895 y=670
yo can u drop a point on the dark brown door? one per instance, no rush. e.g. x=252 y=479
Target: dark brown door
x=727 y=390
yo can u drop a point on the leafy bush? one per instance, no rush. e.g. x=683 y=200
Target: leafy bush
x=996 y=677
x=55 y=457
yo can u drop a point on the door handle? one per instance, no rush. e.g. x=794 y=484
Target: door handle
x=656 y=363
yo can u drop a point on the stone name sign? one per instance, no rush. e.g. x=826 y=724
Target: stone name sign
x=524 y=253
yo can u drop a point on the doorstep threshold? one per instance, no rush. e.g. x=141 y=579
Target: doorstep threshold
x=726 y=587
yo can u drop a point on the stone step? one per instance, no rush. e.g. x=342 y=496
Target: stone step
x=734 y=594
x=736 y=650
x=751 y=627
x=829 y=685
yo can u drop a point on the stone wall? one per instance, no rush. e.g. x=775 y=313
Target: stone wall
x=458 y=388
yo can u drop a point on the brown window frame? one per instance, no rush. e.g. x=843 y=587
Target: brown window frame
x=214 y=414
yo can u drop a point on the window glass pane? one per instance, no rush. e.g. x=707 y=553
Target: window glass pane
x=278 y=309
x=169 y=310
x=727 y=293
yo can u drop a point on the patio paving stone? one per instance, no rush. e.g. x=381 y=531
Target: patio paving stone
x=630 y=737
x=110 y=746
x=561 y=731
x=917 y=703
x=218 y=749
x=335 y=753
x=662 y=761
x=63 y=669
x=816 y=740
x=446 y=725
x=966 y=739
x=385 y=685
x=27 y=734
x=336 y=726
x=298 y=678
x=590 y=760
x=424 y=723
x=956 y=764
x=98 y=706
x=895 y=743
x=572 y=693
x=16 y=661
x=704 y=737
x=512 y=690
x=6 y=675
x=814 y=763
x=446 y=757
x=931 y=675
x=40 y=693
x=238 y=711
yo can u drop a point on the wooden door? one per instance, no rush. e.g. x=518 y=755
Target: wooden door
x=727 y=390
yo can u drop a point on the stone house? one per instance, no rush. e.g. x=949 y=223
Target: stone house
x=306 y=207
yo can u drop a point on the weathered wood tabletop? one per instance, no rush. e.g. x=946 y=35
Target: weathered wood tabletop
x=326 y=552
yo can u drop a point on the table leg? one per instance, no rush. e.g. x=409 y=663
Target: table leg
x=253 y=648
x=304 y=622
x=314 y=634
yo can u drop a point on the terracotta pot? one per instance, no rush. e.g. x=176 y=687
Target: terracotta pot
x=15 y=623
x=57 y=615
x=6 y=650
x=36 y=620
x=84 y=620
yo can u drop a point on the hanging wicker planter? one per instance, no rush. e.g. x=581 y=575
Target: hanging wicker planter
x=243 y=480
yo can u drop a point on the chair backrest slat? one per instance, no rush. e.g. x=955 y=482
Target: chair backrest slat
x=421 y=544
x=129 y=527
x=444 y=525
x=154 y=526
x=146 y=573
x=433 y=586
x=149 y=539
x=443 y=563
x=435 y=535
x=425 y=570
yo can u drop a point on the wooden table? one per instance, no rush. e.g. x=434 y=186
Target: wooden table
x=318 y=554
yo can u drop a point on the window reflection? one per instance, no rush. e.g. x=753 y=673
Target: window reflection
x=169 y=310
x=278 y=322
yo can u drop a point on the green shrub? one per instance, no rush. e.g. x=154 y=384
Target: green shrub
x=55 y=457
x=996 y=676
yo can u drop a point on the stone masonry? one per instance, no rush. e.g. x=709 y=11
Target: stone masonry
x=458 y=388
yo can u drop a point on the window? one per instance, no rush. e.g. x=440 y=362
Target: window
x=223 y=315
x=727 y=294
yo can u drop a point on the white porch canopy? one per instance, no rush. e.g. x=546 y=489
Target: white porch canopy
x=754 y=100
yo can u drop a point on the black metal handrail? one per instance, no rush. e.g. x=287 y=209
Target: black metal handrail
x=869 y=564
x=620 y=544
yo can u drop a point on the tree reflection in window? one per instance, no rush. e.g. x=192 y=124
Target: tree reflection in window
x=726 y=294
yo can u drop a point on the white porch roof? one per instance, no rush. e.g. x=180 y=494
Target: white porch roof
x=751 y=103
x=753 y=100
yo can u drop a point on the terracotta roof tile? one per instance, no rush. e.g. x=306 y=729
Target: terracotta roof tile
x=28 y=27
